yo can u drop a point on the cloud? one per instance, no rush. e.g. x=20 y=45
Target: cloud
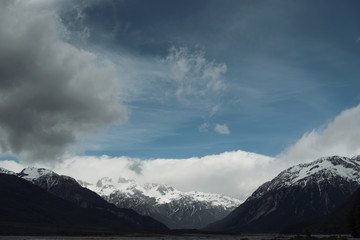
x=52 y=93
x=11 y=165
x=230 y=173
x=340 y=137
x=215 y=109
x=204 y=127
x=193 y=74
x=222 y=129
x=136 y=166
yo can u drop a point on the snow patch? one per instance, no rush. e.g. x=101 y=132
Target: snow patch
x=31 y=173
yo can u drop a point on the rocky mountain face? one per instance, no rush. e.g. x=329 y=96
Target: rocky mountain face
x=69 y=189
x=178 y=210
x=341 y=221
x=297 y=194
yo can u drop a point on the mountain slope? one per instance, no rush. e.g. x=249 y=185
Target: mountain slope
x=353 y=216
x=70 y=190
x=297 y=194
x=26 y=208
x=175 y=208
x=337 y=222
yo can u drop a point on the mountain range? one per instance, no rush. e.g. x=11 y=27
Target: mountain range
x=177 y=209
x=174 y=208
x=321 y=197
x=40 y=195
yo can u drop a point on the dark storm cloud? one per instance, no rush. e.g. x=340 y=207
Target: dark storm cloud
x=51 y=93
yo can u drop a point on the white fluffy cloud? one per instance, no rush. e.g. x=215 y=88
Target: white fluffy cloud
x=222 y=129
x=235 y=173
x=339 y=137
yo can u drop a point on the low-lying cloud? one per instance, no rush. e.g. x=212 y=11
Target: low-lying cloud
x=230 y=173
x=52 y=93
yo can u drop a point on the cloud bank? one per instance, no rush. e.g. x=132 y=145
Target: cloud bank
x=230 y=173
x=341 y=136
x=52 y=93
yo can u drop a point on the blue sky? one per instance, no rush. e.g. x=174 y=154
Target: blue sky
x=291 y=66
x=173 y=79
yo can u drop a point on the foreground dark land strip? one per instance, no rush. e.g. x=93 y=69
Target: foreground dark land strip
x=184 y=236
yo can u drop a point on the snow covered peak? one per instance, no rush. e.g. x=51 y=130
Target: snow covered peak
x=322 y=170
x=3 y=170
x=31 y=173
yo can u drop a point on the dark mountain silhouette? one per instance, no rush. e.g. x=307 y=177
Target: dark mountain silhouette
x=70 y=190
x=26 y=208
x=353 y=216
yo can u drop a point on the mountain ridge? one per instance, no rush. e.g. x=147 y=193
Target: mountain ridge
x=28 y=209
x=67 y=188
x=296 y=194
x=175 y=208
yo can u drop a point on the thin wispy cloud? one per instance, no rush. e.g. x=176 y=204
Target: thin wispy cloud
x=204 y=127
x=215 y=109
x=193 y=74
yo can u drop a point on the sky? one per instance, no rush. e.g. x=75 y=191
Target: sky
x=212 y=92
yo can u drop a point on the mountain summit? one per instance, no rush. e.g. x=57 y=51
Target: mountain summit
x=299 y=193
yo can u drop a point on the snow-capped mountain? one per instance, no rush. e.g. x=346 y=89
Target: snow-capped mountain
x=175 y=208
x=299 y=193
x=46 y=178
x=69 y=189
x=319 y=171
x=3 y=170
x=64 y=205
